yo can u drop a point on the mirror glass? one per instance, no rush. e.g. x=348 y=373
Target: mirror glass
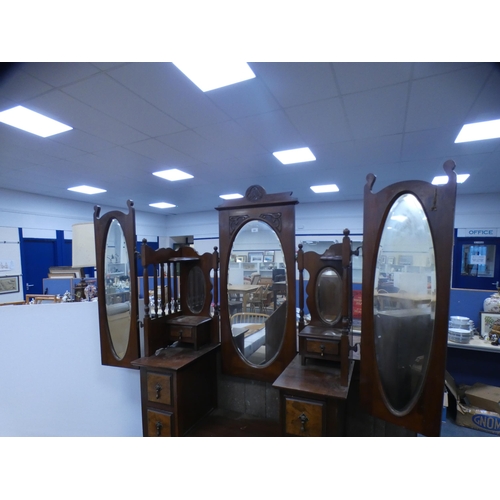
x=404 y=302
x=117 y=288
x=329 y=295
x=196 y=290
x=257 y=292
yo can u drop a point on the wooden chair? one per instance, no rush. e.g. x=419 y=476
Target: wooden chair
x=249 y=317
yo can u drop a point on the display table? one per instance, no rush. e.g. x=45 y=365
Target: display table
x=476 y=344
x=312 y=400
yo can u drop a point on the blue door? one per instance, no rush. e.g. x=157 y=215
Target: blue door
x=38 y=255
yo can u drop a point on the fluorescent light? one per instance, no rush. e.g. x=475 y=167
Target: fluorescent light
x=234 y=196
x=87 y=190
x=210 y=75
x=443 y=179
x=294 y=155
x=173 y=174
x=326 y=188
x=33 y=122
x=479 y=131
x=162 y=204
x=399 y=218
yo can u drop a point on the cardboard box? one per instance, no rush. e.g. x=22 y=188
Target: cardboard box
x=484 y=396
x=468 y=415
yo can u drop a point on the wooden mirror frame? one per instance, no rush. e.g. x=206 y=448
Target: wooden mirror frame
x=277 y=210
x=101 y=229
x=438 y=203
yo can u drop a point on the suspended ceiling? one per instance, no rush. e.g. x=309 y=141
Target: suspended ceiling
x=396 y=120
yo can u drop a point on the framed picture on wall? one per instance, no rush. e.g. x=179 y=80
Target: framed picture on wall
x=9 y=284
x=487 y=321
x=256 y=256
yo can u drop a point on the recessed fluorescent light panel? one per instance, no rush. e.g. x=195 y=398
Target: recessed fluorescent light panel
x=290 y=156
x=213 y=75
x=326 y=188
x=443 y=179
x=173 y=175
x=161 y=205
x=87 y=190
x=33 y=122
x=479 y=131
x=234 y=196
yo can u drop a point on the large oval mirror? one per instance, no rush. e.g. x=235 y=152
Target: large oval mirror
x=257 y=291
x=196 y=290
x=329 y=295
x=404 y=302
x=117 y=288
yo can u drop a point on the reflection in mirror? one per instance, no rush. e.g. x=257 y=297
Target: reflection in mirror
x=196 y=290
x=117 y=288
x=329 y=295
x=257 y=291
x=404 y=302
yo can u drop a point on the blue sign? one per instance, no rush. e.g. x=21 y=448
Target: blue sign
x=487 y=422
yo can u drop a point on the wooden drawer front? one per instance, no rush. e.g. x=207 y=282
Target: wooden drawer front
x=160 y=388
x=182 y=333
x=304 y=417
x=322 y=347
x=159 y=424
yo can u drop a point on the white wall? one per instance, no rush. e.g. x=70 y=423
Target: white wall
x=35 y=213
x=52 y=380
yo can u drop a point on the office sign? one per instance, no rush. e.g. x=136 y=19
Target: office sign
x=477 y=232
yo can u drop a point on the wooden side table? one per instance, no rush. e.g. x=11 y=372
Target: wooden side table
x=312 y=399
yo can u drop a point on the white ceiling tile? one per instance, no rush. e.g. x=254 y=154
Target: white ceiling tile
x=358 y=77
x=320 y=122
x=377 y=112
x=59 y=74
x=166 y=88
x=164 y=155
x=111 y=98
x=274 y=131
x=242 y=99
x=293 y=84
x=444 y=100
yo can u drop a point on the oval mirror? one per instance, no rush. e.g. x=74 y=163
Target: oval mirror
x=329 y=295
x=196 y=290
x=257 y=291
x=117 y=288
x=404 y=303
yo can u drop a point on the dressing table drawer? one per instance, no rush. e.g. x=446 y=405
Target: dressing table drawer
x=159 y=423
x=304 y=417
x=159 y=386
x=322 y=348
x=194 y=330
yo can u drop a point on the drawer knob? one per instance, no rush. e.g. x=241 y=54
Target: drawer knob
x=158 y=390
x=322 y=347
x=158 y=428
x=303 y=421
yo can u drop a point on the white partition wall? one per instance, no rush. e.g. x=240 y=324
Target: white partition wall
x=53 y=383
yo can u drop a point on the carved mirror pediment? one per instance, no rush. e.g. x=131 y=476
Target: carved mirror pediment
x=257 y=284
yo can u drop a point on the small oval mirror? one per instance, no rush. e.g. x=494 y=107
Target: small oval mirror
x=404 y=302
x=196 y=290
x=257 y=291
x=117 y=289
x=329 y=295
